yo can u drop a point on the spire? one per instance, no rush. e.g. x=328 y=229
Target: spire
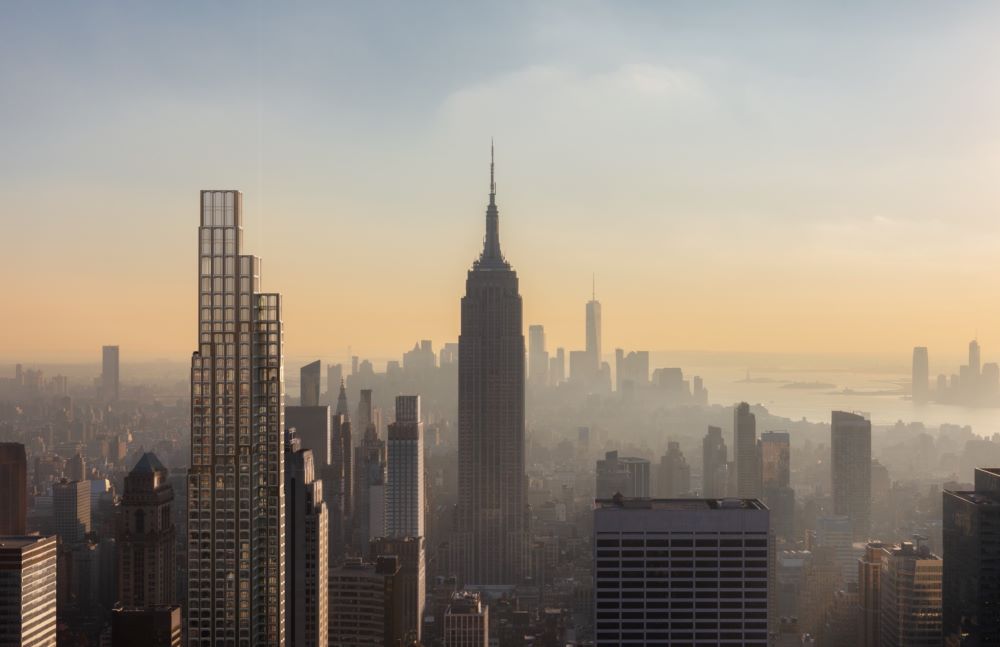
x=593 y=287
x=491 y=256
x=342 y=401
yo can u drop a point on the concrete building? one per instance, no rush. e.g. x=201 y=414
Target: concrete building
x=490 y=539
x=404 y=501
x=236 y=539
x=309 y=378
x=147 y=538
x=149 y=627
x=621 y=475
x=28 y=595
x=13 y=489
x=71 y=510
x=870 y=593
x=746 y=453
x=713 y=466
x=851 y=470
x=910 y=597
x=313 y=428
x=410 y=581
x=466 y=621
x=109 y=374
x=306 y=549
x=364 y=603
x=643 y=553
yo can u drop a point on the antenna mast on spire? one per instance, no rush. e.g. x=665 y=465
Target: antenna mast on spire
x=493 y=184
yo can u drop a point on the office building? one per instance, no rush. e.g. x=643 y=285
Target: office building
x=71 y=510
x=920 y=384
x=490 y=541
x=713 y=470
x=775 y=460
x=851 y=470
x=594 y=333
x=404 y=500
x=410 y=582
x=151 y=627
x=236 y=538
x=557 y=367
x=147 y=538
x=309 y=384
x=366 y=413
x=746 y=453
x=466 y=621
x=13 y=489
x=109 y=373
x=971 y=578
x=673 y=479
x=312 y=425
x=623 y=475
x=631 y=370
x=364 y=603
x=538 y=357
x=646 y=589
x=334 y=375
x=910 y=597
x=870 y=593
x=28 y=595
x=369 y=478
x=306 y=549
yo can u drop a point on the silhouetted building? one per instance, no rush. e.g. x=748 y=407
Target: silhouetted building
x=404 y=500
x=594 y=334
x=339 y=478
x=557 y=367
x=13 y=489
x=155 y=627
x=713 y=458
x=538 y=357
x=71 y=510
x=490 y=541
x=334 y=375
x=746 y=453
x=236 y=579
x=76 y=468
x=109 y=373
x=631 y=370
x=621 y=475
x=364 y=603
x=851 y=470
x=971 y=580
x=312 y=427
x=910 y=597
x=309 y=377
x=673 y=479
x=28 y=591
x=642 y=555
x=369 y=478
x=920 y=384
x=870 y=593
x=306 y=549
x=410 y=583
x=466 y=621
x=147 y=538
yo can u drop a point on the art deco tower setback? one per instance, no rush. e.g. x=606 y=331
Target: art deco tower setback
x=236 y=481
x=490 y=541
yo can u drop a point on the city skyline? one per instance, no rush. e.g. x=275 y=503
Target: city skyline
x=688 y=178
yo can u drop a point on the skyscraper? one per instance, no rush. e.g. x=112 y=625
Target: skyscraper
x=156 y=627
x=13 y=489
x=28 y=591
x=643 y=560
x=870 y=593
x=975 y=361
x=341 y=479
x=623 y=475
x=147 y=537
x=492 y=515
x=369 y=478
x=309 y=384
x=410 y=581
x=851 y=470
x=466 y=621
x=557 y=367
x=920 y=385
x=713 y=457
x=334 y=375
x=971 y=581
x=109 y=373
x=538 y=357
x=71 y=510
x=306 y=549
x=404 y=501
x=236 y=535
x=746 y=452
x=364 y=603
x=673 y=479
x=594 y=332
x=910 y=596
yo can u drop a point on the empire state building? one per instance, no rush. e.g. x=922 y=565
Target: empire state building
x=490 y=543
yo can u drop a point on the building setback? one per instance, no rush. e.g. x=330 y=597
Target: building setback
x=656 y=560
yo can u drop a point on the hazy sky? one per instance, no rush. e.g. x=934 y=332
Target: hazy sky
x=753 y=176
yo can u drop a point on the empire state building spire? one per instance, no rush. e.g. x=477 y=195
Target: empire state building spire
x=491 y=256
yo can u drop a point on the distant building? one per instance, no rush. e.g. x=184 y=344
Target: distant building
x=109 y=373
x=334 y=375
x=870 y=593
x=368 y=503
x=410 y=581
x=538 y=357
x=13 y=489
x=642 y=559
x=632 y=369
x=746 y=453
x=910 y=597
x=153 y=627
x=594 y=334
x=404 y=501
x=557 y=367
x=673 y=479
x=28 y=591
x=920 y=383
x=621 y=475
x=364 y=604
x=713 y=471
x=851 y=470
x=466 y=621
x=309 y=376
x=971 y=570
x=306 y=549
x=775 y=456
x=312 y=425
x=71 y=510
x=147 y=538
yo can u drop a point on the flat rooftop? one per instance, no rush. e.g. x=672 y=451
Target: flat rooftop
x=693 y=505
x=975 y=498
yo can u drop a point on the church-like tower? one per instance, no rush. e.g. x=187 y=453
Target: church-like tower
x=146 y=538
x=490 y=543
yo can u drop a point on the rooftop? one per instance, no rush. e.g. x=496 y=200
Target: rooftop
x=618 y=501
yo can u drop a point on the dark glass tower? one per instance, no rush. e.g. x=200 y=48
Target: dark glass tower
x=491 y=538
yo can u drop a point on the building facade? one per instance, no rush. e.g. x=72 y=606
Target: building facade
x=746 y=453
x=404 y=500
x=147 y=537
x=28 y=596
x=851 y=470
x=466 y=621
x=110 y=389
x=910 y=597
x=13 y=489
x=235 y=489
x=713 y=465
